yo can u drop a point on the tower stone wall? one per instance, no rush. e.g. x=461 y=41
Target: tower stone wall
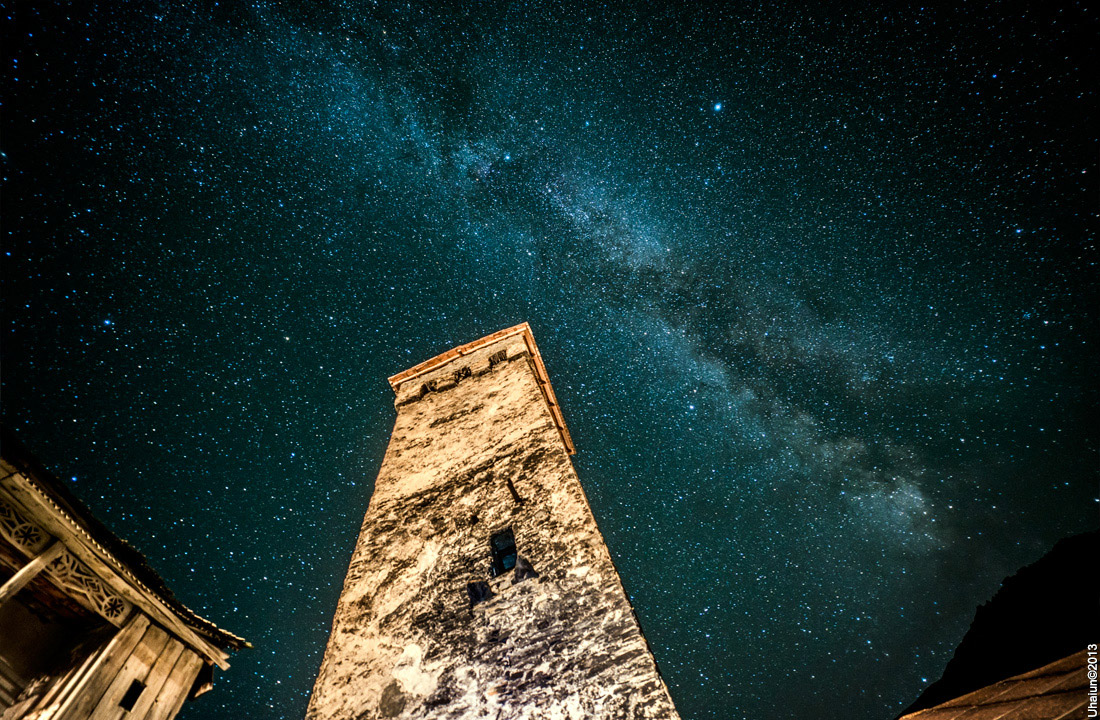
x=425 y=626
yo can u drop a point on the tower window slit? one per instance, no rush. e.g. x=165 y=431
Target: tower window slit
x=503 y=545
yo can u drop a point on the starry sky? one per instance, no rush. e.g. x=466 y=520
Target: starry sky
x=817 y=290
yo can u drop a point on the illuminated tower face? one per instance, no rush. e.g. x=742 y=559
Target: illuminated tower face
x=480 y=585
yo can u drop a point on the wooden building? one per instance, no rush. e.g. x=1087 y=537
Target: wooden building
x=87 y=628
x=480 y=585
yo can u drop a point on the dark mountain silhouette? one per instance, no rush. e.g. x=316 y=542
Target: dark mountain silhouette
x=1043 y=613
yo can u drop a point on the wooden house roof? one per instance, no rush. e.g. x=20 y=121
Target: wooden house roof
x=127 y=560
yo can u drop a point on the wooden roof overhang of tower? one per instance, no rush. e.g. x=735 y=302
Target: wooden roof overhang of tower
x=114 y=561
x=541 y=375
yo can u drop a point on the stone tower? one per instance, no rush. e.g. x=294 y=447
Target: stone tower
x=480 y=586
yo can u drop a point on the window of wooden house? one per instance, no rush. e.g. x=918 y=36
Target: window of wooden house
x=132 y=694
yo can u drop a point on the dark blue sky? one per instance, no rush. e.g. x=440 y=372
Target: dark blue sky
x=817 y=290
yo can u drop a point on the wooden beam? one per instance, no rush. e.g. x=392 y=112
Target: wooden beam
x=30 y=571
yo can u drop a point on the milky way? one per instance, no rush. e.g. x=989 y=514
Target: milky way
x=816 y=290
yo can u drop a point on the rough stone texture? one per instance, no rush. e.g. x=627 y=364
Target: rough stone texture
x=405 y=641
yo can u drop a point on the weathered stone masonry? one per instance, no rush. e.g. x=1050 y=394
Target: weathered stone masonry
x=479 y=447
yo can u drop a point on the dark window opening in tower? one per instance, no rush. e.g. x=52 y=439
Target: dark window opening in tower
x=503 y=545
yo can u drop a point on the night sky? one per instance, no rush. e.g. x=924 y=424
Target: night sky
x=817 y=291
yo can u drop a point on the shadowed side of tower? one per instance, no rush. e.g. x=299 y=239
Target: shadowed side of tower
x=480 y=585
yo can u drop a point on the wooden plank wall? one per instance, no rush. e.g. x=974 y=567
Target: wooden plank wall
x=140 y=651
x=176 y=688
x=84 y=697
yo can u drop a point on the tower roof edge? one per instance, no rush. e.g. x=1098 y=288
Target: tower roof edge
x=456 y=353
